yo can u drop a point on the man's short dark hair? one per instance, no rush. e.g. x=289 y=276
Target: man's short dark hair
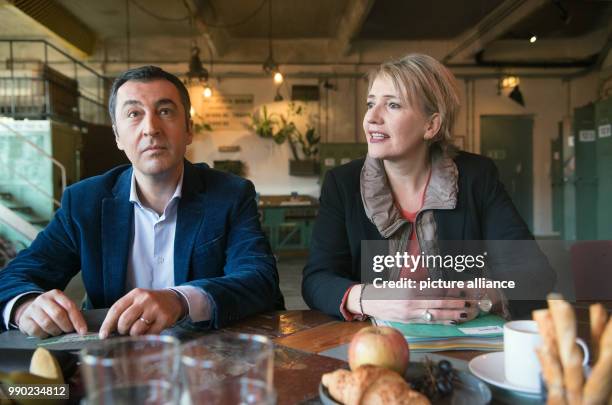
x=147 y=74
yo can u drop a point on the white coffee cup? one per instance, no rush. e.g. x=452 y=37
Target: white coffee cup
x=521 y=364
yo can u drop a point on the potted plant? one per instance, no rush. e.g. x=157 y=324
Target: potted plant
x=199 y=125
x=281 y=128
x=309 y=165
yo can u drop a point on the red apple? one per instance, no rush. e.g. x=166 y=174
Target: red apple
x=380 y=346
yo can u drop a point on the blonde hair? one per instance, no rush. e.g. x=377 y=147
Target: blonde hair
x=426 y=84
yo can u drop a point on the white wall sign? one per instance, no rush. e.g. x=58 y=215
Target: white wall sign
x=586 y=135
x=605 y=131
x=329 y=162
x=227 y=111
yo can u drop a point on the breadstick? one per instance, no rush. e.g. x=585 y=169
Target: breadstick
x=598 y=317
x=546 y=329
x=598 y=388
x=573 y=377
x=553 y=376
x=599 y=385
x=564 y=321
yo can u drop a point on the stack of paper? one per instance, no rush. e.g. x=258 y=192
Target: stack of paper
x=483 y=333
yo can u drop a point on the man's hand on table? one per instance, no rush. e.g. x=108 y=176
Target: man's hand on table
x=49 y=314
x=142 y=312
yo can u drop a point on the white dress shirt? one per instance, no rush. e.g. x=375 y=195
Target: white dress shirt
x=151 y=256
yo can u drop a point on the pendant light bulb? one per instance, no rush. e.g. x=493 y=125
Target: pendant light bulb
x=278 y=77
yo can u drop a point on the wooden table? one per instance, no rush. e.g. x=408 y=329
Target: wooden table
x=299 y=337
x=306 y=333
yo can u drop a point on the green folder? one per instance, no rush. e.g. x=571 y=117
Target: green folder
x=486 y=326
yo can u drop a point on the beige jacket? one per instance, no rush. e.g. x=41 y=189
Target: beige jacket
x=380 y=208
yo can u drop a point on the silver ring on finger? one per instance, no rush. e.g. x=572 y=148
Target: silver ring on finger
x=428 y=316
x=146 y=321
x=485 y=305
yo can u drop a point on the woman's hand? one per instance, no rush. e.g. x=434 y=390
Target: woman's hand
x=494 y=296
x=443 y=311
x=446 y=308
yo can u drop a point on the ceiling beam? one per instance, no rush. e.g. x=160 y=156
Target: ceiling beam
x=216 y=37
x=491 y=27
x=350 y=25
x=60 y=22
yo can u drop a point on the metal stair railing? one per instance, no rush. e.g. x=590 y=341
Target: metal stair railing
x=90 y=91
x=42 y=152
x=17 y=223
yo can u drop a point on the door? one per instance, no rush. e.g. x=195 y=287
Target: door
x=557 y=181
x=508 y=140
x=603 y=122
x=586 y=172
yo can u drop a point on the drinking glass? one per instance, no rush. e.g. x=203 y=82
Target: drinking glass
x=229 y=368
x=132 y=370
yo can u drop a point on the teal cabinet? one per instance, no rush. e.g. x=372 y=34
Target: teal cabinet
x=586 y=172
x=288 y=222
x=336 y=154
x=603 y=126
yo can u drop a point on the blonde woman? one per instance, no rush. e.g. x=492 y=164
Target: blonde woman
x=413 y=189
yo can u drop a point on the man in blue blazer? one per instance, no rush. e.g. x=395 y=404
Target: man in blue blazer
x=158 y=242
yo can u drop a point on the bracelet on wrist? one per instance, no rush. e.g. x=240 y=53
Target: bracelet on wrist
x=184 y=305
x=361 y=300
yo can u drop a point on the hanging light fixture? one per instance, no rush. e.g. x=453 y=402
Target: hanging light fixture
x=278 y=78
x=278 y=96
x=516 y=96
x=208 y=91
x=270 y=66
x=197 y=74
x=511 y=82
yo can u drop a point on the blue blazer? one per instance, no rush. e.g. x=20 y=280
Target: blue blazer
x=218 y=247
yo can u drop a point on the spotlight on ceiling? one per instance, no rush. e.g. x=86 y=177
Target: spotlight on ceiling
x=533 y=39
x=516 y=96
x=508 y=82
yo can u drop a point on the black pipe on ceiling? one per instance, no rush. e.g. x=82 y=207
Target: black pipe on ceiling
x=581 y=63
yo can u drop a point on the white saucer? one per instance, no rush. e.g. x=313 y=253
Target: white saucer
x=489 y=367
